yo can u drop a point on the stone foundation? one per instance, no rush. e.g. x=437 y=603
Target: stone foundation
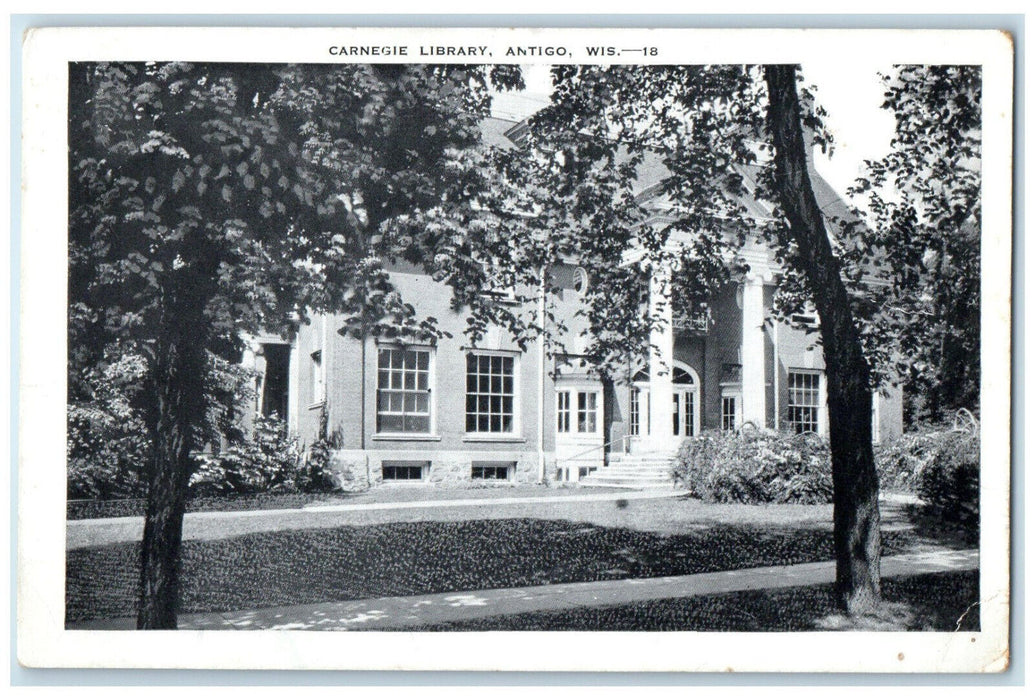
x=359 y=469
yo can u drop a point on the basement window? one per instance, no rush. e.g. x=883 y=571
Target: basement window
x=404 y=471
x=492 y=471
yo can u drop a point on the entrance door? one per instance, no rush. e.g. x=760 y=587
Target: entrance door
x=685 y=420
x=683 y=412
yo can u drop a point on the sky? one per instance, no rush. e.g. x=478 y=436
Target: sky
x=852 y=95
x=850 y=92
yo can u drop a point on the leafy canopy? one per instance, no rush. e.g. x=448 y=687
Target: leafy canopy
x=225 y=199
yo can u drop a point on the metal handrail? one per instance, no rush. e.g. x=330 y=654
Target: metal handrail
x=595 y=448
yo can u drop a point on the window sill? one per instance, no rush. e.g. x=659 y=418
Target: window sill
x=482 y=437
x=406 y=437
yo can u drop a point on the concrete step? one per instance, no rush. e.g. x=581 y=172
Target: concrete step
x=624 y=478
x=640 y=465
x=625 y=484
x=664 y=466
x=640 y=459
x=620 y=471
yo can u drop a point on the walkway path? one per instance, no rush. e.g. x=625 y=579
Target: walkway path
x=400 y=613
x=216 y=524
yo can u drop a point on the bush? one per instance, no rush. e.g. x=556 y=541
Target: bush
x=923 y=457
x=316 y=475
x=268 y=461
x=756 y=467
x=108 y=446
x=949 y=485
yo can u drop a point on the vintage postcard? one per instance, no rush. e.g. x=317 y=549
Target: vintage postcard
x=440 y=349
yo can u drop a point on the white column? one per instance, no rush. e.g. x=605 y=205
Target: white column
x=294 y=384
x=660 y=435
x=752 y=353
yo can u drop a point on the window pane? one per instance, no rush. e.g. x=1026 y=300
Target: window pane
x=418 y=424
x=490 y=391
x=390 y=423
x=403 y=403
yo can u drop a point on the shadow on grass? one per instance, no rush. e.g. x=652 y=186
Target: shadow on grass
x=295 y=567
x=927 y=602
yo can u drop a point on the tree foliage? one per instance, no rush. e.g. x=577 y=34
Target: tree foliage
x=208 y=201
x=672 y=172
x=923 y=241
x=622 y=164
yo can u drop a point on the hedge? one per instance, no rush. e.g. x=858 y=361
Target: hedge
x=756 y=467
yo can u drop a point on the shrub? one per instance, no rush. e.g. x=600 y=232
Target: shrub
x=316 y=475
x=268 y=461
x=949 y=484
x=756 y=467
x=917 y=460
x=108 y=446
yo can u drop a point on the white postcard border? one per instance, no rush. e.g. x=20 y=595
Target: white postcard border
x=42 y=639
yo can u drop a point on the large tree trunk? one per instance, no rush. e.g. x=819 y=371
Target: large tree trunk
x=856 y=514
x=177 y=382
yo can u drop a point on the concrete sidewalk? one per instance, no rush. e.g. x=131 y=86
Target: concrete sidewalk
x=400 y=613
x=217 y=524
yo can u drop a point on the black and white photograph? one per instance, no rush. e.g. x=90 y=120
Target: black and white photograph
x=441 y=332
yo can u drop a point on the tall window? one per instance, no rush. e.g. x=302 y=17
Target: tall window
x=586 y=405
x=563 y=412
x=634 y=411
x=490 y=394
x=403 y=390
x=587 y=411
x=803 y=401
x=729 y=413
x=639 y=411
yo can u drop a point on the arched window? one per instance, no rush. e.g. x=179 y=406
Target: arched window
x=681 y=376
x=580 y=281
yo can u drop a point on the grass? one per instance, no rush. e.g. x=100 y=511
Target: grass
x=934 y=602
x=287 y=567
x=135 y=507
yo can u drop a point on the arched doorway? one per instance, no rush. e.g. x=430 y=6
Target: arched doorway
x=686 y=401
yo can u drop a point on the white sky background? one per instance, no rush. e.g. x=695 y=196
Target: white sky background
x=850 y=92
x=852 y=95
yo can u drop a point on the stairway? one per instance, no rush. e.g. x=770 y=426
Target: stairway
x=635 y=470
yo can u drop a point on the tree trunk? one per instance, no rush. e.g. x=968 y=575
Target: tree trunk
x=177 y=382
x=856 y=514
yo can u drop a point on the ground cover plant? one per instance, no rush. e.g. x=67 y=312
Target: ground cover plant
x=267 y=569
x=936 y=602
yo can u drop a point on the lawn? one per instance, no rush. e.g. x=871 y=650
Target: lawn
x=135 y=507
x=299 y=566
x=930 y=602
